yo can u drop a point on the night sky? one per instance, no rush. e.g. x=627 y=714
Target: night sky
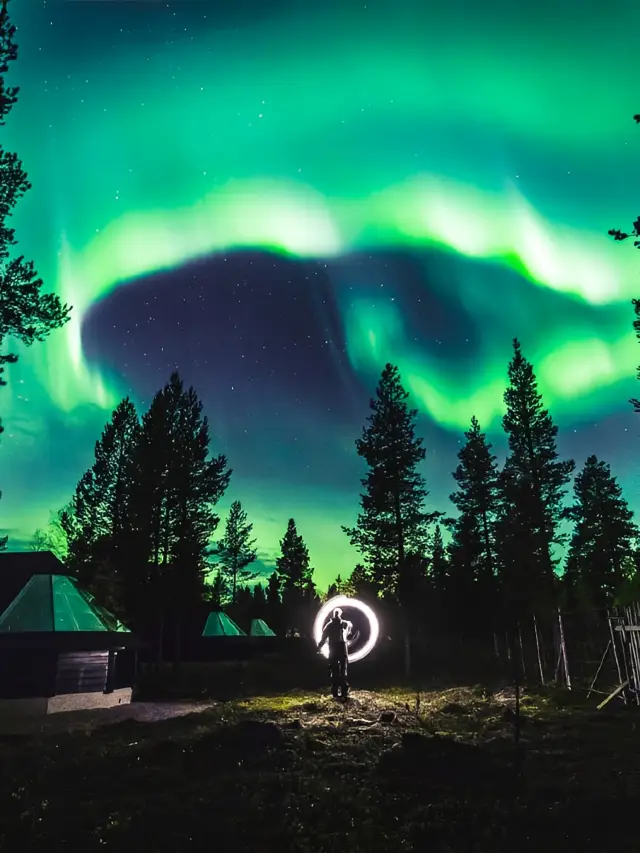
x=280 y=197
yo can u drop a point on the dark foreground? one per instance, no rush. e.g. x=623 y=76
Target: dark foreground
x=303 y=773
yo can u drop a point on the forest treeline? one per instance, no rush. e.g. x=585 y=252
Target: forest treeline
x=142 y=529
x=142 y=532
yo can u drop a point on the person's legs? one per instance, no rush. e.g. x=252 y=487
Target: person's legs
x=344 y=685
x=334 y=669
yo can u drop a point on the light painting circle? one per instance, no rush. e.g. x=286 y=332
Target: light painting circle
x=344 y=601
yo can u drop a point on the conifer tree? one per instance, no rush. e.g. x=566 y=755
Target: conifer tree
x=604 y=538
x=97 y=522
x=439 y=565
x=360 y=584
x=26 y=314
x=274 y=604
x=392 y=523
x=296 y=577
x=218 y=591
x=259 y=602
x=294 y=570
x=533 y=483
x=473 y=531
x=177 y=487
x=236 y=551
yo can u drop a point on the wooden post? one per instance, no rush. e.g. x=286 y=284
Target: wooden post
x=524 y=670
x=563 y=651
x=601 y=664
x=540 y=667
x=615 y=652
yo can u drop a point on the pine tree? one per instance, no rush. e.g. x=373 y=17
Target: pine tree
x=473 y=531
x=293 y=567
x=360 y=584
x=274 y=604
x=177 y=486
x=97 y=521
x=259 y=602
x=26 y=314
x=604 y=538
x=295 y=575
x=236 y=551
x=439 y=565
x=532 y=484
x=218 y=593
x=392 y=523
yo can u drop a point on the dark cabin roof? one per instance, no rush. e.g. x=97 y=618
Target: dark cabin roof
x=18 y=567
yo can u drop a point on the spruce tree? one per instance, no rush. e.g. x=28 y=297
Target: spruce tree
x=392 y=523
x=293 y=567
x=97 y=522
x=296 y=577
x=360 y=584
x=473 y=531
x=236 y=551
x=218 y=592
x=26 y=314
x=533 y=483
x=177 y=487
x=604 y=539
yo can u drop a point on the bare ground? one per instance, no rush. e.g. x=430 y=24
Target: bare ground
x=389 y=770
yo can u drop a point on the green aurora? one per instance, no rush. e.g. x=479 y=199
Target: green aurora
x=499 y=135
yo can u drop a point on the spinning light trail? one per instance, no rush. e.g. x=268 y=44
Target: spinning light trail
x=348 y=603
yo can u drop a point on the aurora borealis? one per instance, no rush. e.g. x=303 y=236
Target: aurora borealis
x=280 y=201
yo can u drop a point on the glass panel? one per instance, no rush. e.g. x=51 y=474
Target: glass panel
x=31 y=609
x=72 y=611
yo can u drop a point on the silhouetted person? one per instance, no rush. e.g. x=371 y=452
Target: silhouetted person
x=335 y=632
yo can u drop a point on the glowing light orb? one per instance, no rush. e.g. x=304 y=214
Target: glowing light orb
x=343 y=601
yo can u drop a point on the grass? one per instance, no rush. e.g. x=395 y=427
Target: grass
x=391 y=770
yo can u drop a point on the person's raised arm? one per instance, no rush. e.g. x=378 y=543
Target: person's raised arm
x=323 y=638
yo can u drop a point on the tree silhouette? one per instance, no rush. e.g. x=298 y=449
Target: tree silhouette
x=259 y=602
x=438 y=565
x=236 y=551
x=218 y=592
x=392 y=522
x=295 y=575
x=177 y=487
x=97 y=521
x=473 y=531
x=533 y=483
x=604 y=538
x=26 y=314
x=274 y=603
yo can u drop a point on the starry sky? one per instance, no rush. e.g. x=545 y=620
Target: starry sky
x=279 y=197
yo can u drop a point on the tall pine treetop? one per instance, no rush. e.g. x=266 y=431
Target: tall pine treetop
x=392 y=523
x=530 y=428
x=476 y=475
x=294 y=570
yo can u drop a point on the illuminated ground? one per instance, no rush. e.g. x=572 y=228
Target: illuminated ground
x=299 y=772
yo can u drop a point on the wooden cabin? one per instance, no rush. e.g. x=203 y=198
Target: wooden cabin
x=59 y=650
